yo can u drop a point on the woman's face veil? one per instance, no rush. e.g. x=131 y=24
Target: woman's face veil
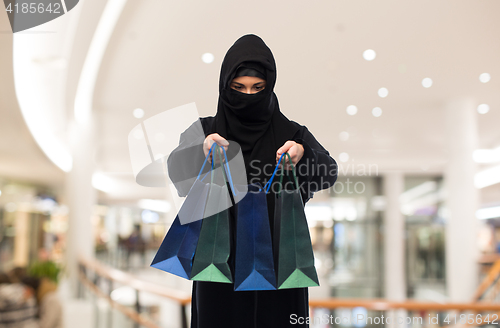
x=239 y=108
x=248 y=48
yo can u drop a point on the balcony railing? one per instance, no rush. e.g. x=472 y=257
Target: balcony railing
x=93 y=274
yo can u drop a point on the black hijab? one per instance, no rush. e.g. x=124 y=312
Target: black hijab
x=254 y=121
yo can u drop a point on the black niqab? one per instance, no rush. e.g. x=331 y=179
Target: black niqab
x=254 y=121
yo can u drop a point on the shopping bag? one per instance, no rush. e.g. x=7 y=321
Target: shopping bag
x=295 y=258
x=176 y=252
x=210 y=261
x=254 y=264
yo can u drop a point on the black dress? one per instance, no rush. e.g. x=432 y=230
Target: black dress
x=217 y=305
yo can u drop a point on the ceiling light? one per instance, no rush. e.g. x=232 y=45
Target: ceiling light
x=383 y=92
x=125 y=294
x=486 y=155
x=427 y=82
x=102 y=182
x=148 y=216
x=485 y=77
x=487 y=177
x=424 y=202
x=378 y=203
x=377 y=111
x=207 y=58
x=369 y=54
x=315 y=213
x=488 y=213
x=418 y=191
x=483 y=108
x=344 y=136
x=344 y=157
x=10 y=207
x=156 y=205
x=138 y=113
x=328 y=224
x=352 y=110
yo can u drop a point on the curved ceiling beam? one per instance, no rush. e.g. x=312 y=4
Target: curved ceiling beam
x=86 y=84
x=40 y=71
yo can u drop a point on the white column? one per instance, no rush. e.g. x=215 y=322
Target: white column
x=394 y=244
x=462 y=200
x=22 y=240
x=81 y=198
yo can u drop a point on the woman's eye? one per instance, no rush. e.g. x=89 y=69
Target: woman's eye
x=237 y=87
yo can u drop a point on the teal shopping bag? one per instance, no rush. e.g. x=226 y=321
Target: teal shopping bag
x=295 y=257
x=210 y=261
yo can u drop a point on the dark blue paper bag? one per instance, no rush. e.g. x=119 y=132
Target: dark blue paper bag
x=176 y=252
x=254 y=265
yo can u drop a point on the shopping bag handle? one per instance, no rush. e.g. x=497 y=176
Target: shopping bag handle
x=268 y=184
x=205 y=162
x=228 y=173
x=225 y=166
x=293 y=172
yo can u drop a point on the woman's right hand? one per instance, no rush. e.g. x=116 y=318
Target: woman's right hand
x=210 y=140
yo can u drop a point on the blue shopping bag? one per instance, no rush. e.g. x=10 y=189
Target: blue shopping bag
x=176 y=252
x=254 y=265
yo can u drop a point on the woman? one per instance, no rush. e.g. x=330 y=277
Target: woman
x=248 y=114
x=17 y=305
x=49 y=306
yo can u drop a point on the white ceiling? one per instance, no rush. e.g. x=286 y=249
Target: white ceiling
x=153 y=61
x=20 y=156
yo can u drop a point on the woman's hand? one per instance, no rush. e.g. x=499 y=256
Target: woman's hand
x=295 y=150
x=210 y=140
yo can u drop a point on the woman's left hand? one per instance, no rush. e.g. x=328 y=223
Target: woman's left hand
x=295 y=150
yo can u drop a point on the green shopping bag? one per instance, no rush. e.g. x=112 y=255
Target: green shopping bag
x=295 y=258
x=212 y=252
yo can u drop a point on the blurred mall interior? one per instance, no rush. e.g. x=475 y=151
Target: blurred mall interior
x=404 y=95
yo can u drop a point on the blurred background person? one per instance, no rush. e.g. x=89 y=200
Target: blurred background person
x=49 y=306
x=18 y=306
